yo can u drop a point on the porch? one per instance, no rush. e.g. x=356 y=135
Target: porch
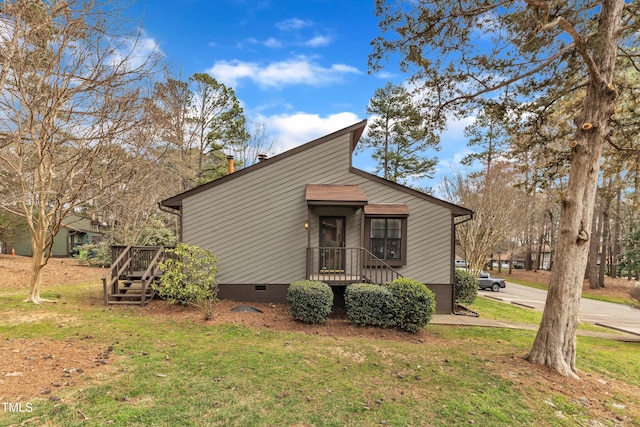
x=338 y=266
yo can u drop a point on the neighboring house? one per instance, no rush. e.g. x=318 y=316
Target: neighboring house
x=74 y=231
x=519 y=257
x=307 y=213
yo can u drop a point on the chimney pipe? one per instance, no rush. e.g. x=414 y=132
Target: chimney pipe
x=262 y=157
x=230 y=163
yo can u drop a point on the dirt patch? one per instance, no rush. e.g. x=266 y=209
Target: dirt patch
x=275 y=317
x=41 y=368
x=15 y=272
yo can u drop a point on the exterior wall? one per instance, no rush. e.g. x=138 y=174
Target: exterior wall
x=22 y=245
x=429 y=239
x=254 y=224
x=64 y=240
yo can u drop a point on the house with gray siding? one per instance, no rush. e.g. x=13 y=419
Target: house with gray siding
x=308 y=213
x=75 y=231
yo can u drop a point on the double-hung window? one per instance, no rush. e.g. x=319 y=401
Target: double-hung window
x=386 y=233
x=386 y=238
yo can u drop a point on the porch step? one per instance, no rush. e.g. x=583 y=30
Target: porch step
x=130 y=296
x=127 y=302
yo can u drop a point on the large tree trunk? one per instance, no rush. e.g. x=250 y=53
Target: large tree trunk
x=594 y=250
x=555 y=343
x=616 y=231
x=38 y=262
x=604 y=254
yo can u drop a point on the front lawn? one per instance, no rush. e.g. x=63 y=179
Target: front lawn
x=165 y=369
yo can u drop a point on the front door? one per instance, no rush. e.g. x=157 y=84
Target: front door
x=332 y=243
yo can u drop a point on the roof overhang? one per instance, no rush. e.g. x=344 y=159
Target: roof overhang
x=387 y=210
x=335 y=195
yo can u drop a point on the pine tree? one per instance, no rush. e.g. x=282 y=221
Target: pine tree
x=399 y=136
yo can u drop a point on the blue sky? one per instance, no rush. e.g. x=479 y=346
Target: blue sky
x=298 y=66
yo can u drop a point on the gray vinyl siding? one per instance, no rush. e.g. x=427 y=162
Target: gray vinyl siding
x=255 y=222
x=428 y=233
x=22 y=245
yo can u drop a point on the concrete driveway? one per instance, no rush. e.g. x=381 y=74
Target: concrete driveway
x=609 y=315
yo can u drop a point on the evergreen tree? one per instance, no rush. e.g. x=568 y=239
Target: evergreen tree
x=398 y=136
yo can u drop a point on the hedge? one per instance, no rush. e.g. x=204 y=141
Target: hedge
x=412 y=304
x=466 y=286
x=369 y=305
x=310 y=301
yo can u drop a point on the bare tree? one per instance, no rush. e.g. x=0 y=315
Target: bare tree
x=260 y=142
x=69 y=98
x=496 y=204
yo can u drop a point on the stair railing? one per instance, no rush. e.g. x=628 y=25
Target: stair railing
x=377 y=270
x=150 y=274
x=110 y=280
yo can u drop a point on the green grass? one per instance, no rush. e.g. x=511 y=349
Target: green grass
x=166 y=372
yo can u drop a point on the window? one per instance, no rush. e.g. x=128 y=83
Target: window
x=386 y=235
x=386 y=238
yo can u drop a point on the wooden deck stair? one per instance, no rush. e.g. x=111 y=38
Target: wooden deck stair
x=133 y=271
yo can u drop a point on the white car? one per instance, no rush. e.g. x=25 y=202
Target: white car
x=503 y=265
x=460 y=263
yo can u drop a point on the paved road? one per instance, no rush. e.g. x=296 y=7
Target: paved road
x=609 y=315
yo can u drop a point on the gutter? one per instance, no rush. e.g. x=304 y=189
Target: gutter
x=175 y=212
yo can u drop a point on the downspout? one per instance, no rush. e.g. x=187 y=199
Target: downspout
x=309 y=255
x=173 y=212
x=453 y=257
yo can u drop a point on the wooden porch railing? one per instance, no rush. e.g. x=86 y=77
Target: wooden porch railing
x=133 y=269
x=343 y=266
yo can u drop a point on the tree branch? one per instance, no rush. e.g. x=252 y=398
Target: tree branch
x=504 y=83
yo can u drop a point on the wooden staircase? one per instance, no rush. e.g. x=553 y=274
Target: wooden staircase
x=133 y=271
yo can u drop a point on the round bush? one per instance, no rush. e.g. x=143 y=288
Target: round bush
x=369 y=304
x=310 y=301
x=413 y=304
x=466 y=286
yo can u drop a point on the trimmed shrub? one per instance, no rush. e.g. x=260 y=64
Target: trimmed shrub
x=310 y=301
x=369 y=304
x=413 y=304
x=466 y=286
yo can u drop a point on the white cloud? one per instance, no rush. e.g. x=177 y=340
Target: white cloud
x=134 y=52
x=271 y=42
x=318 y=41
x=293 y=24
x=292 y=130
x=298 y=70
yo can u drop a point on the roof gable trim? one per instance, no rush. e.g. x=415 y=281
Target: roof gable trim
x=355 y=130
x=455 y=209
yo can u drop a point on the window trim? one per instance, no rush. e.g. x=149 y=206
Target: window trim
x=396 y=262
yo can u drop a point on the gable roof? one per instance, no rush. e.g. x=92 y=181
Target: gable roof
x=456 y=210
x=356 y=130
